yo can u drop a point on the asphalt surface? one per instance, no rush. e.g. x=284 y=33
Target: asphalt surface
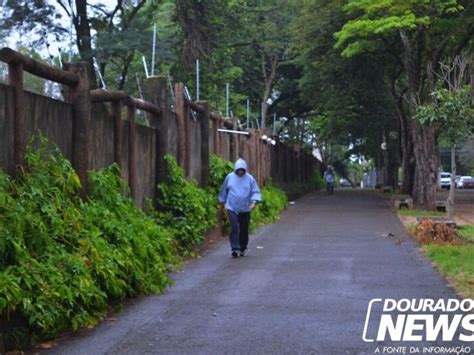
x=303 y=288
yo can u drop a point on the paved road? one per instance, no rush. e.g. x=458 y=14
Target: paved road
x=304 y=288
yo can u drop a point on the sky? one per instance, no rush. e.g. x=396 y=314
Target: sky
x=14 y=39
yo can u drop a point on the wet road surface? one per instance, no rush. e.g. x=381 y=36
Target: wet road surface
x=303 y=288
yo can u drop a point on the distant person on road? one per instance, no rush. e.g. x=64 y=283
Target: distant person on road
x=239 y=194
x=329 y=180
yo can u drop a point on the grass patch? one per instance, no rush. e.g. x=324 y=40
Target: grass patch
x=456 y=262
x=467 y=232
x=420 y=213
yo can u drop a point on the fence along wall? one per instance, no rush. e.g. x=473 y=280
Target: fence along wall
x=190 y=134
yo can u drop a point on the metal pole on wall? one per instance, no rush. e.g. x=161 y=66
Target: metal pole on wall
x=274 y=119
x=227 y=97
x=153 y=53
x=97 y=69
x=197 y=80
x=144 y=65
x=248 y=113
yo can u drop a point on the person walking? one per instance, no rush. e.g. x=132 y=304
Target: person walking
x=239 y=194
x=329 y=180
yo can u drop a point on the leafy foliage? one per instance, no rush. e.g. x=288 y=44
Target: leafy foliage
x=318 y=181
x=451 y=113
x=63 y=259
x=189 y=209
x=383 y=17
x=268 y=210
x=218 y=171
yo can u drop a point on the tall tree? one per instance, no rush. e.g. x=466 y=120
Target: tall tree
x=347 y=95
x=43 y=19
x=452 y=113
x=427 y=31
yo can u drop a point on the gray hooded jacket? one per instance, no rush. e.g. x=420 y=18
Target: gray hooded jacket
x=238 y=192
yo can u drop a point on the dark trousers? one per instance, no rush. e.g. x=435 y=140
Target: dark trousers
x=239 y=230
x=330 y=188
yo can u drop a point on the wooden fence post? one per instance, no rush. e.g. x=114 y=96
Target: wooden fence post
x=215 y=134
x=15 y=79
x=257 y=154
x=132 y=153
x=232 y=144
x=79 y=96
x=204 y=120
x=180 y=108
x=157 y=94
x=118 y=144
x=220 y=139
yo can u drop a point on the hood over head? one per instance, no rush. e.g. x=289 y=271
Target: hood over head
x=240 y=164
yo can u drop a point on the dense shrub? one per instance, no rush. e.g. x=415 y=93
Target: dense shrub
x=219 y=168
x=62 y=260
x=318 y=181
x=190 y=209
x=274 y=201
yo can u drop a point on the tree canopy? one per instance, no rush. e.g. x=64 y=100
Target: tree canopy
x=345 y=77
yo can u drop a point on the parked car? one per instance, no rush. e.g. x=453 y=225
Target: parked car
x=465 y=182
x=445 y=180
x=344 y=183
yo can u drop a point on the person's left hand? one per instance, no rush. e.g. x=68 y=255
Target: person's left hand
x=252 y=206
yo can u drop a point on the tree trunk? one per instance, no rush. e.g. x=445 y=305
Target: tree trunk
x=426 y=168
x=269 y=79
x=83 y=38
x=405 y=141
x=392 y=170
x=126 y=66
x=450 y=201
x=408 y=169
x=406 y=145
x=471 y=70
x=424 y=140
x=379 y=169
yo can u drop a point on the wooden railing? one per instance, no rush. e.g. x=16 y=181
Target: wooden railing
x=76 y=91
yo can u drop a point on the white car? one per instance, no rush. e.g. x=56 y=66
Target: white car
x=445 y=180
x=344 y=182
x=465 y=182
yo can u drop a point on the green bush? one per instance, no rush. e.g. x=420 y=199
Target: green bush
x=190 y=209
x=62 y=260
x=219 y=168
x=318 y=181
x=274 y=201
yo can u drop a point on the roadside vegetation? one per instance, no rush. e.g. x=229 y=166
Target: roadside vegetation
x=65 y=260
x=451 y=250
x=420 y=213
x=456 y=263
x=467 y=232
